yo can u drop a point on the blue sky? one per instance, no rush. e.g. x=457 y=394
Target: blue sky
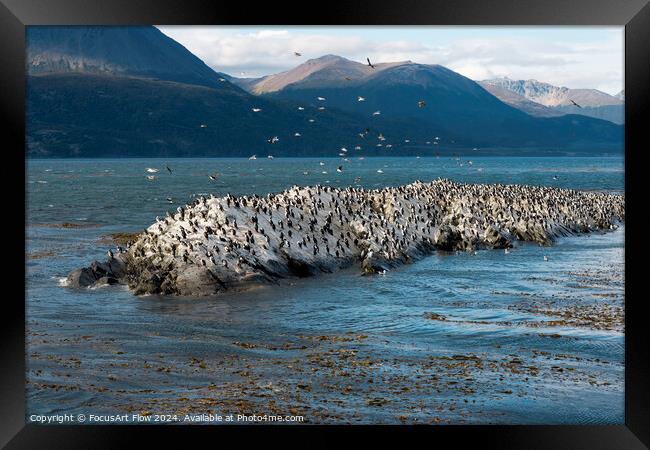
x=575 y=57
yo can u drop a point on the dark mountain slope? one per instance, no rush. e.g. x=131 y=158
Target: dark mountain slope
x=131 y=51
x=98 y=115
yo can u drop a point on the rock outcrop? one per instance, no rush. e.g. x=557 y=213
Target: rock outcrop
x=233 y=243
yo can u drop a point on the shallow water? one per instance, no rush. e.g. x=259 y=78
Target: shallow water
x=517 y=339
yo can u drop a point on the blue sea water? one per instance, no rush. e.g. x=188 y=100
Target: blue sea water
x=101 y=350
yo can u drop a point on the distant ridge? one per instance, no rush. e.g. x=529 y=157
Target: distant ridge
x=554 y=100
x=519 y=101
x=549 y=95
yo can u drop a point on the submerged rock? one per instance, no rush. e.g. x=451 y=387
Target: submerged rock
x=217 y=244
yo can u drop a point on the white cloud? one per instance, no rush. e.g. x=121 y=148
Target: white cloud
x=256 y=52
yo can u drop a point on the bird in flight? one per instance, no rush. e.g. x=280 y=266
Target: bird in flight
x=297 y=53
x=361 y=99
x=376 y=113
x=422 y=104
x=213 y=177
x=369 y=63
x=273 y=140
x=339 y=169
x=168 y=169
x=257 y=109
x=575 y=103
x=321 y=99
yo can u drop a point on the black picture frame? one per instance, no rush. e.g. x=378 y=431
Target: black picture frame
x=633 y=14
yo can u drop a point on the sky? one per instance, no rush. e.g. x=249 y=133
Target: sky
x=575 y=57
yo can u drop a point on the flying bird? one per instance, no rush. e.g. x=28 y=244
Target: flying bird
x=151 y=170
x=321 y=99
x=297 y=134
x=273 y=140
x=369 y=63
x=575 y=103
x=339 y=169
x=361 y=99
x=257 y=109
x=421 y=104
x=213 y=177
x=300 y=108
x=376 y=113
x=297 y=53
x=168 y=169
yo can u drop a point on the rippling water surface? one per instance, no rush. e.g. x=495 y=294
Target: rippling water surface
x=453 y=338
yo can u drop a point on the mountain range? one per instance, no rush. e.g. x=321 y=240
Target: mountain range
x=132 y=91
x=546 y=100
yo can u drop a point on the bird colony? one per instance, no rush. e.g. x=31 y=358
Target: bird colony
x=233 y=243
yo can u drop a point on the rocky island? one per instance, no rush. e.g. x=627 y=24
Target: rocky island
x=233 y=243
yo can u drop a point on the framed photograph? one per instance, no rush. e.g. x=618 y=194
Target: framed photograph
x=382 y=214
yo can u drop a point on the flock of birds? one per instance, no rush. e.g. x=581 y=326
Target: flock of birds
x=420 y=104
x=325 y=228
x=276 y=139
